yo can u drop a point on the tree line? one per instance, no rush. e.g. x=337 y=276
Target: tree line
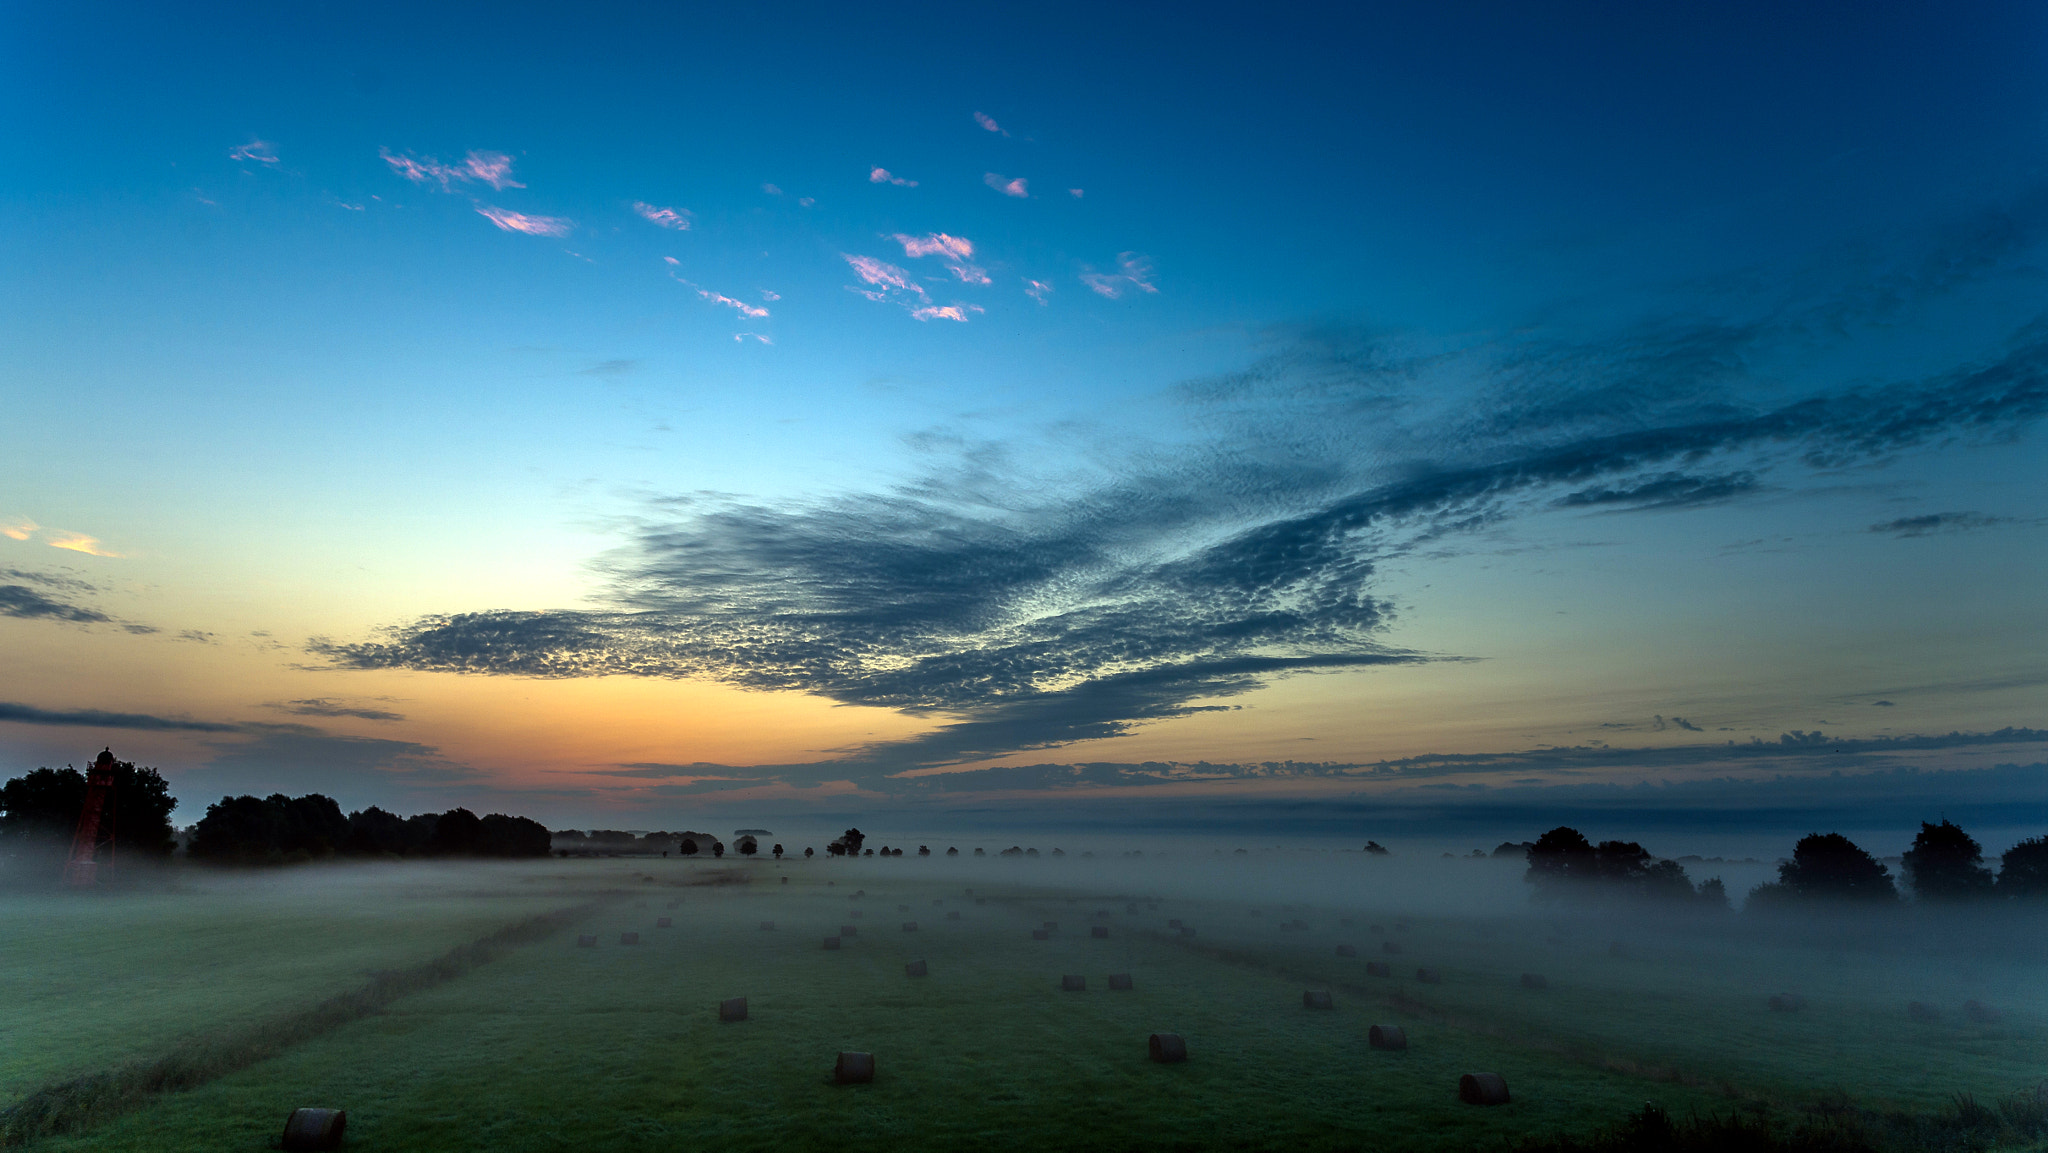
x=1944 y=866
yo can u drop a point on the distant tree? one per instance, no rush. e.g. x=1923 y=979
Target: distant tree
x=1830 y=865
x=953 y=851
x=2023 y=870
x=1946 y=864
x=870 y=852
x=747 y=846
x=980 y=853
x=853 y=839
x=924 y=850
x=1564 y=866
x=718 y=848
x=1512 y=849
x=777 y=851
x=1560 y=858
x=375 y=833
x=688 y=848
x=1713 y=894
x=1375 y=848
x=808 y=851
x=458 y=833
x=39 y=812
x=503 y=836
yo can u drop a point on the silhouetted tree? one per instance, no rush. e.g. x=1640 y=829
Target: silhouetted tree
x=852 y=840
x=778 y=852
x=688 y=848
x=1946 y=864
x=376 y=833
x=1831 y=865
x=718 y=848
x=924 y=850
x=503 y=836
x=458 y=833
x=2023 y=869
x=953 y=851
x=1563 y=865
x=808 y=850
x=747 y=846
x=1375 y=848
x=39 y=812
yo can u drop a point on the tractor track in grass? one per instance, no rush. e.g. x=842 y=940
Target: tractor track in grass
x=1402 y=1001
x=77 y=1103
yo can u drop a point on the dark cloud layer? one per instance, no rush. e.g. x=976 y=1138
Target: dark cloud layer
x=96 y=719
x=322 y=707
x=1938 y=522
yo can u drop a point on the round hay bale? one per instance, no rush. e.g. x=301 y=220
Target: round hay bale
x=1391 y=946
x=1099 y=932
x=1317 y=999
x=848 y=931
x=629 y=938
x=1120 y=982
x=767 y=926
x=954 y=915
x=314 y=1129
x=785 y=880
x=1430 y=976
x=1922 y=1011
x=664 y=923
x=1787 y=1002
x=1187 y=931
x=1174 y=923
x=732 y=1009
x=1040 y=935
x=1981 y=1013
x=916 y=969
x=1346 y=951
x=832 y=942
x=1167 y=1048
x=586 y=940
x=1534 y=981
x=1073 y=983
x=1483 y=1089
x=1378 y=969
x=854 y=1069
x=1391 y=1037
x=910 y=926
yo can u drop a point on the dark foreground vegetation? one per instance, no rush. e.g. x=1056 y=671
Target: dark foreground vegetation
x=1965 y=1126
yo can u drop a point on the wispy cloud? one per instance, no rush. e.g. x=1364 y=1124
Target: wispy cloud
x=1076 y=193
x=949 y=312
x=80 y=542
x=741 y=306
x=771 y=189
x=882 y=274
x=1939 y=522
x=255 y=152
x=96 y=719
x=678 y=219
x=880 y=175
x=988 y=123
x=326 y=707
x=758 y=338
x=1134 y=272
x=18 y=528
x=491 y=168
x=25 y=603
x=512 y=221
x=1008 y=187
x=770 y=296
x=1037 y=290
x=956 y=251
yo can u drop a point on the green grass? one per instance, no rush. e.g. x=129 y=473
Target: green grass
x=553 y=1046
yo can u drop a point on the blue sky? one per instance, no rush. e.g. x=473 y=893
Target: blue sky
x=813 y=403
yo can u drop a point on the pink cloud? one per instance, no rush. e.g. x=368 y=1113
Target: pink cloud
x=770 y=296
x=492 y=168
x=665 y=217
x=1074 y=192
x=260 y=151
x=743 y=337
x=771 y=190
x=512 y=221
x=1007 y=186
x=884 y=176
x=1133 y=272
x=881 y=274
x=807 y=201
x=1037 y=290
x=949 y=312
x=744 y=308
x=988 y=123
x=954 y=250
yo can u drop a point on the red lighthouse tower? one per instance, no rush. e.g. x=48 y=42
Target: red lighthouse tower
x=95 y=824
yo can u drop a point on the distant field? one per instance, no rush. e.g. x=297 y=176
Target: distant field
x=554 y=1046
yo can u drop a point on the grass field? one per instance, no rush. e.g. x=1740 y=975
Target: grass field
x=553 y=1046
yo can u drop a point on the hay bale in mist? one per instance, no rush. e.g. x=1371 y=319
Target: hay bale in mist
x=953 y=916
x=1534 y=981
x=629 y=938
x=1922 y=1011
x=1099 y=932
x=785 y=880
x=732 y=1009
x=586 y=941
x=916 y=969
x=910 y=926
x=664 y=923
x=1346 y=951
x=1787 y=1002
x=1378 y=969
x=1317 y=999
x=1391 y=946
x=1483 y=1089
x=1981 y=1013
x=1120 y=982
x=1040 y=935
x=854 y=1069
x=1174 y=923
x=848 y=931
x=858 y=894
x=1187 y=931
x=832 y=942
x=1167 y=1048
x=1073 y=983
x=314 y=1129
x=1615 y=949
x=1391 y=1037
x=1430 y=976
x=767 y=926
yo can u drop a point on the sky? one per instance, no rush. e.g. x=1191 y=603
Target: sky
x=1394 y=416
